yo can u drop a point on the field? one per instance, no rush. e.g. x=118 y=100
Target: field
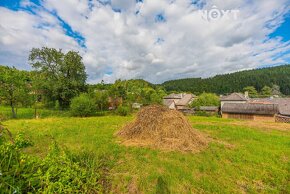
x=243 y=156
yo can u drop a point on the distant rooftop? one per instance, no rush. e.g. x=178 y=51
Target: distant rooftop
x=185 y=100
x=283 y=103
x=250 y=108
x=234 y=97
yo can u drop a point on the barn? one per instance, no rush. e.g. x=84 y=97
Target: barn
x=250 y=111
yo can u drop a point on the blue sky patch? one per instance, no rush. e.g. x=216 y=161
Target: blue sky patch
x=160 y=18
x=284 y=30
x=69 y=31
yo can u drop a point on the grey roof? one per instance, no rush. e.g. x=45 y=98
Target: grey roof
x=168 y=102
x=283 y=104
x=234 y=97
x=209 y=108
x=173 y=96
x=185 y=100
x=250 y=108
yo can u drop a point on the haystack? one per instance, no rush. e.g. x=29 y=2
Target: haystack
x=159 y=127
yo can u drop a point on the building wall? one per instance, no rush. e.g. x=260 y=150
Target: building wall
x=172 y=106
x=264 y=118
x=237 y=116
x=249 y=117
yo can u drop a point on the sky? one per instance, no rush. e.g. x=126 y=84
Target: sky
x=149 y=39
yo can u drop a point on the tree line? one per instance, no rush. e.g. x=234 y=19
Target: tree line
x=235 y=82
x=57 y=78
x=58 y=81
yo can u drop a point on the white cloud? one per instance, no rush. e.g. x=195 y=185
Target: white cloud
x=135 y=43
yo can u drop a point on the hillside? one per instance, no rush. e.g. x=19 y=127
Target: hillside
x=235 y=82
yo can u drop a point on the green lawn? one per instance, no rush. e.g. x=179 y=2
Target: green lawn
x=28 y=113
x=241 y=158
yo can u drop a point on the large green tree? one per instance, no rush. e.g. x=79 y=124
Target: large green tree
x=266 y=91
x=61 y=75
x=252 y=91
x=14 y=87
x=206 y=99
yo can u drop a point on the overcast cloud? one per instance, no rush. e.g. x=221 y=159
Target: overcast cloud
x=153 y=40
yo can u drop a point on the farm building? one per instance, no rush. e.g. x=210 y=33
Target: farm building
x=234 y=98
x=250 y=111
x=179 y=102
x=209 y=109
x=283 y=107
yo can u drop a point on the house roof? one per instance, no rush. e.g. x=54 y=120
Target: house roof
x=283 y=104
x=168 y=102
x=185 y=100
x=250 y=108
x=234 y=97
x=173 y=96
x=208 y=108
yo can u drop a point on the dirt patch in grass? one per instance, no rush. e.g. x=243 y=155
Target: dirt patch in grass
x=159 y=127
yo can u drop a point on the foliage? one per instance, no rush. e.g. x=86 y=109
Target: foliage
x=138 y=91
x=266 y=91
x=206 y=99
x=276 y=90
x=56 y=173
x=251 y=91
x=82 y=106
x=21 y=141
x=123 y=110
x=60 y=76
x=101 y=98
x=235 y=82
x=13 y=87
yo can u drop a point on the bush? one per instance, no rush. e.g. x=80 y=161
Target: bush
x=82 y=106
x=123 y=111
x=58 y=172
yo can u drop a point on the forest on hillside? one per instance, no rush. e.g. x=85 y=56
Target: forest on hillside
x=235 y=82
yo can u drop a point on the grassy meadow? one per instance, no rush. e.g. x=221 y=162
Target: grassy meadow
x=28 y=113
x=243 y=156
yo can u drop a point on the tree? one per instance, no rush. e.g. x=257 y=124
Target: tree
x=61 y=76
x=82 y=106
x=101 y=99
x=13 y=87
x=251 y=90
x=276 y=90
x=266 y=91
x=206 y=99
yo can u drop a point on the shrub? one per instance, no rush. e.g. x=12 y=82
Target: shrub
x=82 y=106
x=58 y=172
x=123 y=110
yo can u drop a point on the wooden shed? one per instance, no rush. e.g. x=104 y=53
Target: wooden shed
x=250 y=111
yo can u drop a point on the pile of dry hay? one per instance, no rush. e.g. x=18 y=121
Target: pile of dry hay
x=159 y=127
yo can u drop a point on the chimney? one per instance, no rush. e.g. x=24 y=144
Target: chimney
x=246 y=94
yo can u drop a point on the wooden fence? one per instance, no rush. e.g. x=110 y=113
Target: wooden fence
x=282 y=119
